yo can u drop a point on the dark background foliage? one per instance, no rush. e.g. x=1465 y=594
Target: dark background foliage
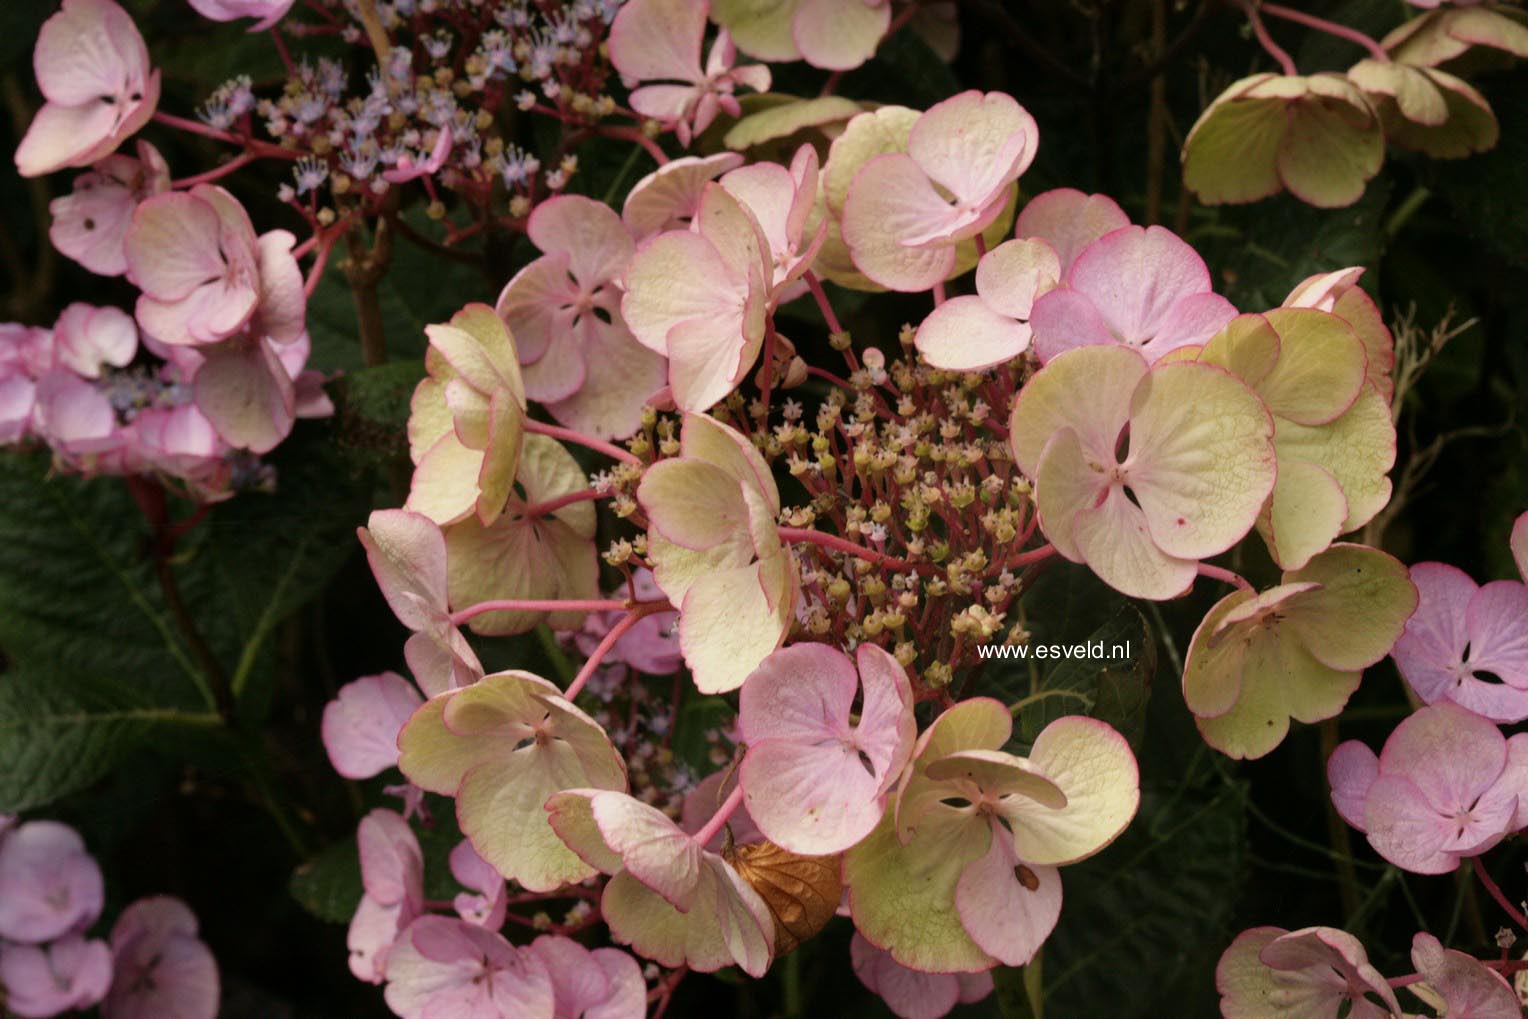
x=100 y=719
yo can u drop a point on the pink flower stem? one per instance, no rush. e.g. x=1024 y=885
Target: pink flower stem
x=316 y=272
x=1352 y=35
x=578 y=438
x=820 y=296
x=1497 y=894
x=938 y=293
x=727 y=809
x=833 y=541
x=1034 y=555
x=542 y=509
x=828 y=376
x=259 y=148
x=1265 y=40
x=1222 y=574
x=981 y=245
x=1405 y=981
x=537 y=605
x=281 y=48
x=216 y=172
x=632 y=134
x=635 y=616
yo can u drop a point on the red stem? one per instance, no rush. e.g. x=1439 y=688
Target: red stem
x=767 y=389
x=536 y=605
x=1352 y=35
x=1034 y=555
x=1497 y=894
x=253 y=145
x=286 y=58
x=542 y=509
x=632 y=134
x=727 y=809
x=1223 y=574
x=617 y=631
x=833 y=541
x=217 y=172
x=568 y=435
x=1265 y=40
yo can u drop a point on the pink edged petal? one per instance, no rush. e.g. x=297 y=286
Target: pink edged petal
x=669 y=196
x=49 y=883
x=1089 y=390
x=1093 y=766
x=839 y=35
x=562 y=371
x=620 y=376
x=361 y=725
x=61 y=136
x=444 y=487
x=1519 y=545
x=87 y=338
x=1450 y=755
x=486 y=900
x=707 y=359
x=283 y=301
x=1135 y=276
x=407 y=554
x=48 y=980
x=674 y=278
x=1115 y=541
x=891 y=201
x=1497 y=620
x=1069 y=221
x=1350 y=771
x=727 y=627
x=1008 y=911
x=1212 y=670
x=1469 y=989
x=590 y=232
x=1012 y=275
x=441 y=661
x=1321 y=367
x=1065 y=319
x=392 y=865
x=73 y=414
x=1304 y=514
x=163 y=971
x=1201 y=458
x=704 y=438
x=909 y=994
x=800 y=694
x=1430 y=652
x=697 y=506
x=974 y=144
x=445 y=968
x=534 y=304
x=728 y=923
x=966 y=334
x=18 y=397
x=90 y=224
x=768 y=191
x=658 y=39
x=172 y=246
x=247 y=394
x=886 y=730
x=1405 y=830
x=90 y=49
x=701 y=804
x=814 y=800
x=1190 y=321
x=653 y=849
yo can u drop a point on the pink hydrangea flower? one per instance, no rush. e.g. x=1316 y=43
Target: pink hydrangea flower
x=408 y=168
x=90 y=223
x=93 y=70
x=360 y=726
x=1468 y=643
x=814 y=780
x=661 y=41
x=26 y=353
x=564 y=310
x=901 y=229
x=39 y=981
x=49 y=884
x=442 y=966
x=486 y=899
x=392 y=874
x=74 y=416
x=1445 y=787
x=1268 y=969
x=1468 y=990
x=962 y=872
x=668 y=897
x=267 y=11
x=668 y=198
x=205 y=275
x=87 y=338
x=1139 y=286
x=835 y=35
x=975 y=331
x=407 y=554
x=701 y=804
x=910 y=993
x=651 y=646
x=1199 y=464
x=1068 y=220
x=717 y=554
x=163 y=970
x=605 y=983
x=1339 y=293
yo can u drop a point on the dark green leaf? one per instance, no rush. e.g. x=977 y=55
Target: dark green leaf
x=1020 y=991
x=329 y=885
x=59 y=735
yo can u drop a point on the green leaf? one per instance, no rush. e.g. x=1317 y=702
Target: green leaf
x=60 y=735
x=1146 y=919
x=1020 y=990
x=1485 y=191
x=329 y=885
x=372 y=410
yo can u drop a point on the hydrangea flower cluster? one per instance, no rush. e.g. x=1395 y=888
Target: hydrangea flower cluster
x=51 y=895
